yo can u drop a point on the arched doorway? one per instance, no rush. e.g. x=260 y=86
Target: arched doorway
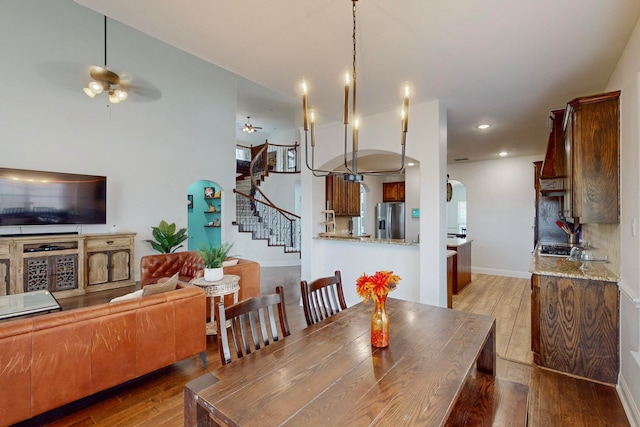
x=204 y=214
x=457 y=210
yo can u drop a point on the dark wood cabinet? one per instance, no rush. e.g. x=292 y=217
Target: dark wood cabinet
x=575 y=326
x=592 y=145
x=393 y=191
x=343 y=197
x=463 y=263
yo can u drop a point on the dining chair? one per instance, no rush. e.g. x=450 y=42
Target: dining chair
x=322 y=298
x=251 y=324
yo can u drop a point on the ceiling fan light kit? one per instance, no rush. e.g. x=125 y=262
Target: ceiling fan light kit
x=105 y=80
x=352 y=174
x=249 y=128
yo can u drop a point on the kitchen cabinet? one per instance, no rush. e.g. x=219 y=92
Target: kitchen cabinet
x=592 y=146
x=342 y=196
x=575 y=327
x=393 y=191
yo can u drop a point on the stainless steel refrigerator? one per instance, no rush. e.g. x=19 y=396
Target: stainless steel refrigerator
x=390 y=220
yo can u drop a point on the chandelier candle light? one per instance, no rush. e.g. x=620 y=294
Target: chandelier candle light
x=377 y=287
x=352 y=173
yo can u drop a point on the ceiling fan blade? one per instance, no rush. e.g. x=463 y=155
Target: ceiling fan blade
x=139 y=88
x=73 y=76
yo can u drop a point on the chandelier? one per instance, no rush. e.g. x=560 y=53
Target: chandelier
x=105 y=80
x=352 y=172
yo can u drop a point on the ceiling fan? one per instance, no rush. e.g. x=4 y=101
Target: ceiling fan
x=105 y=80
x=249 y=128
x=117 y=86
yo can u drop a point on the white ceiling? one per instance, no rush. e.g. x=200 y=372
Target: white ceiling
x=503 y=62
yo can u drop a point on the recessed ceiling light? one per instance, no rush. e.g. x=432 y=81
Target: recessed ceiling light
x=503 y=154
x=410 y=164
x=484 y=126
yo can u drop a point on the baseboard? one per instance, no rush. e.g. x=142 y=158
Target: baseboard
x=505 y=273
x=629 y=405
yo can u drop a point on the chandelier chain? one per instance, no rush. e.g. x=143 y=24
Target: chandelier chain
x=354 y=40
x=353 y=109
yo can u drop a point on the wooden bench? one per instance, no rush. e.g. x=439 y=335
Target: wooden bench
x=489 y=401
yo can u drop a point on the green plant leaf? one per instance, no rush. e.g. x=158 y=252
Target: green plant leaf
x=167 y=240
x=213 y=256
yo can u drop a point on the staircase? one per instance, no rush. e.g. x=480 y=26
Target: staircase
x=255 y=213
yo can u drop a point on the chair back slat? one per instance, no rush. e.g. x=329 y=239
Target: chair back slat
x=252 y=324
x=322 y=298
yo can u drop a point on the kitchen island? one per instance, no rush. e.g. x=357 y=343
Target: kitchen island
x=575 y=317
x=462 y=259
x=355 y=256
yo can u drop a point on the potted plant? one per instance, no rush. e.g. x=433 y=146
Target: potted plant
x=212 y=258
x=167 y=238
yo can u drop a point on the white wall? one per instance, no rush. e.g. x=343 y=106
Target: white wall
x=500 y=213
x=626 y=78
x=149 y=151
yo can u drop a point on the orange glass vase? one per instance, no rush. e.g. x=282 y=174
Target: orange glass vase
x=380 y=323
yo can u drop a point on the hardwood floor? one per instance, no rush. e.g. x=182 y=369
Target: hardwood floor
x=509 y=301
x=554 y=399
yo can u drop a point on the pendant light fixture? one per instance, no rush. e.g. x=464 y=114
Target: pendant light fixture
x=352 y=172
x=104 y=80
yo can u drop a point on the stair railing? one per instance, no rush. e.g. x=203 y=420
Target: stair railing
x=268 y=222
x=280 y=227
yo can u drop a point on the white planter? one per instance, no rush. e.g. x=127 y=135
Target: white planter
x=213 y=274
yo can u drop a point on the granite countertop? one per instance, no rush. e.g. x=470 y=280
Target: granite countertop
x=563 y=267
x=451 y=253
x=457 y=241
x=349 y=238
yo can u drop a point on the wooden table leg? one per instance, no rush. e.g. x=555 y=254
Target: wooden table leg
x=487 y=359
x=195 y=414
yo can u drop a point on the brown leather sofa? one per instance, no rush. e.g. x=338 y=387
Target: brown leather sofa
x=50 y=360
x=188 y=265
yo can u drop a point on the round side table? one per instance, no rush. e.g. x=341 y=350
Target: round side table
x=218 y=289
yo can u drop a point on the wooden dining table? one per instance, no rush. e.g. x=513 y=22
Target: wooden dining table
x=329 y=374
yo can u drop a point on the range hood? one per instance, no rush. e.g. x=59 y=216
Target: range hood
x=553 y=173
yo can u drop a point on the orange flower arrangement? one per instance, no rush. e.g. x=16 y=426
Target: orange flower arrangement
x=377 y=285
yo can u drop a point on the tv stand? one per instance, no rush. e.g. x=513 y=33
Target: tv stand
x=50 y=233
x=66 y=264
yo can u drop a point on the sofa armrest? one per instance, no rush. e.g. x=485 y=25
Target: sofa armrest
x=249 y=272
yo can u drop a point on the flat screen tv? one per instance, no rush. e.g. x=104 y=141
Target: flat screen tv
x=41 y=198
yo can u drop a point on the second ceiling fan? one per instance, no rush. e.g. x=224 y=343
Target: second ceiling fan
x=249 y=128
